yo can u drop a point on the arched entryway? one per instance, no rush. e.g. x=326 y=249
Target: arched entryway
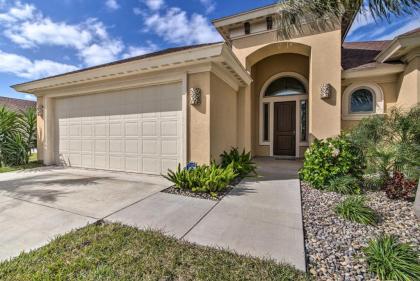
x=283 y=114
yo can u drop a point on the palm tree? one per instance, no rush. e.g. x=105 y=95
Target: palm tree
x=322 y=14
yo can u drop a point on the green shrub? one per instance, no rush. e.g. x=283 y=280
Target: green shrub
x=241 y=162
x=373 y=182
x=353 y=208
x=331 y=158
x=391 y=260
x=390 y=142
x=345 y=185
x=204 y=178
x=15 y=150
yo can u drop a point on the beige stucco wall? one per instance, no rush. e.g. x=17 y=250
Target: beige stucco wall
x=223 y=117
x=198 y=120
x=389 y=87
x=409 y=85
x=263 y=71
x=40 y=130
x=324 y=52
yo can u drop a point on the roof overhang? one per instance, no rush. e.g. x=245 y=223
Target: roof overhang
x=217 y=54
x=376 y=69
x=399 y=48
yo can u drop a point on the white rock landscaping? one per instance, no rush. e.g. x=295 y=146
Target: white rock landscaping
x=334 y=245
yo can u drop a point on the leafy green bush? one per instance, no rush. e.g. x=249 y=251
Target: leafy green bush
x=331 y=158
x=242 y=162
x=15 y=150
x=204 y=178
x=391 y=260
x=345 y=185
x=390 y=142
x=353 y=208
x=373 y=182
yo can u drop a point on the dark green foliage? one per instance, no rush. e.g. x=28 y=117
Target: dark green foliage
x=241 y=162
x=204 y=178
x=345 y=185
x=373 y=182
x=353 y=208
x=15 y=150
x=17 y=136
x=331 y=158
x=116 y=252
x=391 y=260
x=390 y=143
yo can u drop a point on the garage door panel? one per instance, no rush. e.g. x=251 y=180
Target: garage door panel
x=136 y=130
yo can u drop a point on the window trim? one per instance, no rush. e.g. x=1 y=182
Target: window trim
x=373 y=111
x=378 y=101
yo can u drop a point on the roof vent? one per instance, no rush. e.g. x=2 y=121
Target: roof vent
x=247 y=27
x=269 y=21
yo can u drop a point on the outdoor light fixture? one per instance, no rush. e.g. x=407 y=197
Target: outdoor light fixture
x=195 y=96
x=40 y=110
x=326 y=90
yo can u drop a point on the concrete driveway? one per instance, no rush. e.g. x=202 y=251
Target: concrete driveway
x=37 y=205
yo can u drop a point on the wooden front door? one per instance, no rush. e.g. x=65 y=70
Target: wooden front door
x=284 y=128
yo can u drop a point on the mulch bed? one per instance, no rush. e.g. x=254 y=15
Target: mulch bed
x=202 y=195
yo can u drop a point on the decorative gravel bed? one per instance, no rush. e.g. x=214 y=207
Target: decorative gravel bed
x=202 y=195
x=334 y=246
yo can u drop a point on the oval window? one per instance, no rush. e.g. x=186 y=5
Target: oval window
x=285 y=86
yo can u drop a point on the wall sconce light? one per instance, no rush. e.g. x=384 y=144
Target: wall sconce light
x=40 y=110
x=326 y=90
x=195 y=96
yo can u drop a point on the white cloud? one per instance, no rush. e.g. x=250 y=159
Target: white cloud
x=138 y=51
x=112 y=4
x=29 y=97
x=25 y=68
x=90 y=39
x=175 y=26
x=154 y=4
x=210 y=5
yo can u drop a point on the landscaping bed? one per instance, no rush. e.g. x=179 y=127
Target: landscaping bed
x=116 y=252
x=217 y=196
x=334 y=245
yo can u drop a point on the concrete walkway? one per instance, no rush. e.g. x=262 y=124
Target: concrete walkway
x=260 y=217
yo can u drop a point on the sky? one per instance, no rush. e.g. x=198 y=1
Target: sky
x=41 y=38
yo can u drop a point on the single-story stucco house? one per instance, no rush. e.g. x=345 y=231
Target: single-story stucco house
x=256 y=90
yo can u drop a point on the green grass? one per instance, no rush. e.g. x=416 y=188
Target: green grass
x=33 y=163
x=116 y=252
x=353 y=208
x=391 y=260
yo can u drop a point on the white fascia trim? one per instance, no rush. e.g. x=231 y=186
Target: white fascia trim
x=403 y=44
x=235 y=66
x=377 y=70
x=165 y=61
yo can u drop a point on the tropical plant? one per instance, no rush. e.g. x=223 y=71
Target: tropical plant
x=345 y=185
x=391 y=260
x=390 y=143
x=17 y=136
x=398 y=187
x=353 y=208
x=320 y=15
x=203 y=178
x=241 y=162
x=331 y=158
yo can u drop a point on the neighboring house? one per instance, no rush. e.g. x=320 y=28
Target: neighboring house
x=256 y=91
x=16 y=105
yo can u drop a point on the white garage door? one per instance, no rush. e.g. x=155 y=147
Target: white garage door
x=136 y=130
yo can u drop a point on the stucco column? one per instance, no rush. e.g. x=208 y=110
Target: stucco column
x=48 y=145
x=325 y=68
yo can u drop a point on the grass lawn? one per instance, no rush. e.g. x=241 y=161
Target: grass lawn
x=33 y=163
x=116 y=252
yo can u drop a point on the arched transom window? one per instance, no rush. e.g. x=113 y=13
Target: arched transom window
x=285 y=86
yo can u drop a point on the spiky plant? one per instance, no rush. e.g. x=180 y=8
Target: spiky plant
x=345 y=185
x=391 y=260
x=242 y=162
x=354 y=209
